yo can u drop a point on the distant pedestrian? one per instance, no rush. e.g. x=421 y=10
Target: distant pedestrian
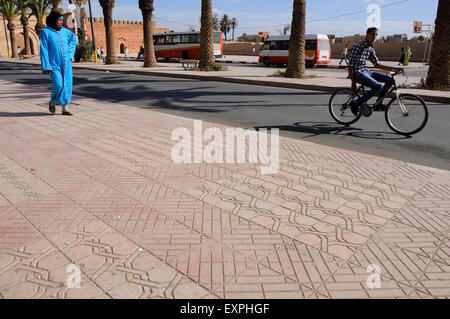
x=344 y=54
x=19 y=52
x=57 y=50
x=407 y=56
x=98 y=53
x=125 y=51
x=102 y=54
x=402 y=57
x=141 y=53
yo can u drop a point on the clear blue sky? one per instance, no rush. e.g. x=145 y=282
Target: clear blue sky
x=263 y=15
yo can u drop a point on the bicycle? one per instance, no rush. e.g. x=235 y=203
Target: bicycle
x=405 y=114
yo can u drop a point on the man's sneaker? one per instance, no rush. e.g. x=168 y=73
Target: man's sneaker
x=52 y=106
x=354 y=107
x=380 y=107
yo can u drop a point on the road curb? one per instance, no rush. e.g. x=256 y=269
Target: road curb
x=236 y=62
x=299 y=86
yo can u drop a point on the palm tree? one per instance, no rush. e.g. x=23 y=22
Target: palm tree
x=206 y=36
x=225 y=25
x=286 y=28
x=39 y=9
x=147 y=8
x=107 y=7
x=55 y=4
x=296 y=60
x=22 y=5
x=81 y=32
x=9 y=11
x=215 y=22
x=439 y=71
x=234 y=25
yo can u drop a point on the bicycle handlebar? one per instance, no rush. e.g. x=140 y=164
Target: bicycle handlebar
x=401 y=71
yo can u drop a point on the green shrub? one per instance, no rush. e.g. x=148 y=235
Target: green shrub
x=212 y=68
x=282 y=74
x=84 y=52
x=278 y=74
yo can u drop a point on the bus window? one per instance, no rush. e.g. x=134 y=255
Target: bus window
x=174 y=39
x=216 y=37
x=283 y=45
x=186 y=38
x=311 y=45
x=160 y=40
x=324 y=45
x=195 y=38
x=266 y=46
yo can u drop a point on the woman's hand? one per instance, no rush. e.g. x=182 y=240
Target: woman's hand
x=49 y=72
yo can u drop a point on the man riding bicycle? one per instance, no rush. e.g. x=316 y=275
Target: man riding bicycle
x=359 y=73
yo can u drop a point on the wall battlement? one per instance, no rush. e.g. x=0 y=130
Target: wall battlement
x=117 y=22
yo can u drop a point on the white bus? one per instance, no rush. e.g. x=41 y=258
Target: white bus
x=276 y=50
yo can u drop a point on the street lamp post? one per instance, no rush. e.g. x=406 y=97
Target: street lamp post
x=92 y=29
x=6 y=36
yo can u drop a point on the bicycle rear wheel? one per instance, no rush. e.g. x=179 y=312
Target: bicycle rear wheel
x=413 y=121
x=339 y=107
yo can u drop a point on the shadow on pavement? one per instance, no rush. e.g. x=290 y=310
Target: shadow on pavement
x=321 y=128
x=24 y=114
x=373 y=135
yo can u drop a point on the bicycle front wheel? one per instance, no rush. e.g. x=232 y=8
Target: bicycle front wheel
x=339 y=107
x=410 y=122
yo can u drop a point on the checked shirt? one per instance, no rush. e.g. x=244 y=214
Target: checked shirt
x=360 y=53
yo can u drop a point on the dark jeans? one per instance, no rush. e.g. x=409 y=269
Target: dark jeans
x=372 y=80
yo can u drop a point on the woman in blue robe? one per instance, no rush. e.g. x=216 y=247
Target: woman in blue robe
x=57 y=50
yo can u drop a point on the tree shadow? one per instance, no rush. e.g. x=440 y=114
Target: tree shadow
x=24 y=114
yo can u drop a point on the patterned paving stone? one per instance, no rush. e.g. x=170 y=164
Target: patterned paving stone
x=351 y=281
x=302 y=263
x=100 y=190
x=257 y=282
x=39 y=270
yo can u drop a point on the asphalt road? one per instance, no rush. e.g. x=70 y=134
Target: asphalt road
x=299 y=114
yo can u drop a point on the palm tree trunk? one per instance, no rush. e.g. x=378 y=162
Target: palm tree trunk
x=296 y=62
x=26 y=51
x=439 y=71
x=206 y=36
x=39 y=26
x=12 y=35
x=107 y=7
x=81 y=32
x=82 y=27
x=147 y=8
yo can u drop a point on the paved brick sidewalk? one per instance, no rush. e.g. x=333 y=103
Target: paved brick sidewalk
x=100 y=190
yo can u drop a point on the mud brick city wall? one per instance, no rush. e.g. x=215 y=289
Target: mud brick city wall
x=126 y=33
x=385 y=51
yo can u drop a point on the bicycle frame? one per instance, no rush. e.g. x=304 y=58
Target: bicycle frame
x=391 y=90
